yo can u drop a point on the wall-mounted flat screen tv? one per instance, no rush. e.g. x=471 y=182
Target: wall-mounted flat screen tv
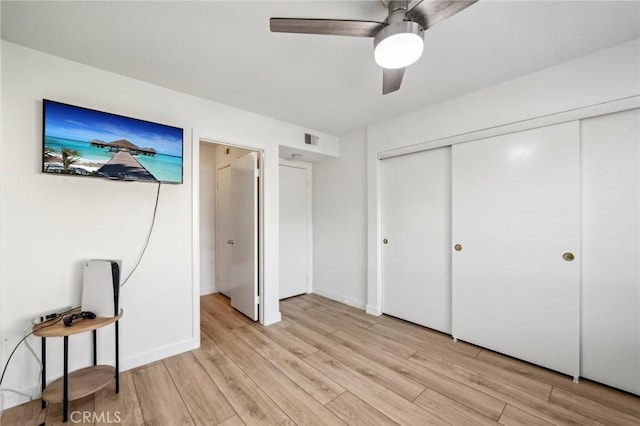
x=84 y=142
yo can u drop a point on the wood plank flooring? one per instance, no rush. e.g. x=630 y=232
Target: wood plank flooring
x=329 y=363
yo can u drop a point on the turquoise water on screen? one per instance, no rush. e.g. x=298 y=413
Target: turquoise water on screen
x=165 y=168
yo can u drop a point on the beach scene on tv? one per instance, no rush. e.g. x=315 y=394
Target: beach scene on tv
x=80 y=141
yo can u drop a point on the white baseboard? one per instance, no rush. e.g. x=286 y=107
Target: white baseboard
x=274 y=320
x=374 y=310
x=209 y=289
x=144 y=358
x=339 y=298
x=10 y=399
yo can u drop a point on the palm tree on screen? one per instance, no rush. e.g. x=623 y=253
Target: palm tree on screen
x=69 y=157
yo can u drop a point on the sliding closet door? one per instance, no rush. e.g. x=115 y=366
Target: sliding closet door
x=611 y=250
x=416 y=227
x=516 y=219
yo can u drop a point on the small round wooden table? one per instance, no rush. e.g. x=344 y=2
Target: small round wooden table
x=83 y=382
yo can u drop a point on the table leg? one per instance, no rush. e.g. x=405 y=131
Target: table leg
x=117 y=358
x=65 y=392
x=95 y=347
x=44 y=369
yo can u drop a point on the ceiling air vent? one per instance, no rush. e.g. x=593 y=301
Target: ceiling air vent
x=310 y=139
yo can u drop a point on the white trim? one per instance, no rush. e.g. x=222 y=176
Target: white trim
x=210 y=289
x=195 y=236
x=377 y=308
x=10 y=399
x=309 y=168
x=2 y=342
x=276 y=320
x=167 y=351
x=340 y=298
x=195 y=160
x=299 y=164
x=373 y=310
x=261 y=244
x=603 y=108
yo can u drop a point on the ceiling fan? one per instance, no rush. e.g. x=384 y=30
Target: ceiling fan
x=398 y=41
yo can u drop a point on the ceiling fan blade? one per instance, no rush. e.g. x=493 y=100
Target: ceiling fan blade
x=326 y=26
x=428 y=13
x=391 y=79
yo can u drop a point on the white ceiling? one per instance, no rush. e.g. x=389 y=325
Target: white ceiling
x=223 y=50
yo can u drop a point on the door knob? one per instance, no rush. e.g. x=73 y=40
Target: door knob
x=385 y=241
x=458 y=247
x=568 y=256
x=231 y=242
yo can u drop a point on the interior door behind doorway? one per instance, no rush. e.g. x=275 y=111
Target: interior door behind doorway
x=223 y=230
x=244 y=225
x=294 y=231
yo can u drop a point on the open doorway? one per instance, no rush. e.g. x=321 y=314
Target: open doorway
x=230 y=225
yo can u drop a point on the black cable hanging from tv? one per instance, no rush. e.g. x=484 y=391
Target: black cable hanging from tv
x=146 y=243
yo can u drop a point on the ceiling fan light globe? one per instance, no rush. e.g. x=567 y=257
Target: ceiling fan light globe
x=398 y=45
x=399 y=50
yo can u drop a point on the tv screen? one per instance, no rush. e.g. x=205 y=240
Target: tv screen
x=84 y=142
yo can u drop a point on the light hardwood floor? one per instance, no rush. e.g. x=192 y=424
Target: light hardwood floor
x=328 y=363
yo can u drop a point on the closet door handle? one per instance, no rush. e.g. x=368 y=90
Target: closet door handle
x=568 y=256
x=232 y=242
x=458 y=247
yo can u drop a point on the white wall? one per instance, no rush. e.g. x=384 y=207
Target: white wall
x=207 y=218
x=605 y=76
x=49 y=224
x=339 y=223
x=225 y=154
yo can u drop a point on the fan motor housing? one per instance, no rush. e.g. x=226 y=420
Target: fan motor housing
x=404 y=27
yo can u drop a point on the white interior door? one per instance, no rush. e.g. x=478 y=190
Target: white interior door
x=244 y=218
x=416 y=227
x=516 y=211
x=611 y=250
x=223 y=230
x=294 y=231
